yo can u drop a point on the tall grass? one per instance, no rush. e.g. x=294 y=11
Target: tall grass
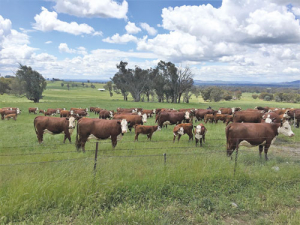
x=195 y=185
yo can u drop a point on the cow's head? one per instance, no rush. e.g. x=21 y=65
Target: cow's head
x=18 y=111
x=139 y=113
x=124 y=125
x=268 y=119
x=71 y=122
x=181 y=131
x=187 y=115
x=286 y=114
x=154 y=110
x=111 y=114
x=197 y=129
x=286 y=129
x=57 y=111
x=36 y=109
x=144 y=118
x=86 y=109
x=71 y=112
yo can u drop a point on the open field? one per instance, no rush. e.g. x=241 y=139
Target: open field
x=52 y=183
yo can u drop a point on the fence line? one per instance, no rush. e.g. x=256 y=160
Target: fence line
x=123 y=149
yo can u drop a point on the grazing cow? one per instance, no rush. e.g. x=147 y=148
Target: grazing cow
x=221 y=117
x=247 y=117
x=92 y=109
x=271 y=117
x=50 y=112
x=80 y=112
x=181 y=129
x=5 y=111
x=132 y=119
x=255 y=134
x=228 y=111
x=209 y=118
x=148 y=112
x=166 y=118
x=8 y=116
x=106 y=114
x=200 y=132
x=200 y=113
x=42 y=111
x=229 y=118
x=142 y=129
x=98 y=129
x=66 y=113
x=53 y=125
x=97 y=110
x=33 y=110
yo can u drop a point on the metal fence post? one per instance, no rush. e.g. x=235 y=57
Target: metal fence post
x=96 y=155
x=165 y=158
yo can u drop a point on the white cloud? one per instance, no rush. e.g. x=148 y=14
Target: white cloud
x=117 y=39
x=92 y=8
x=63 y=47
x=131 y=28
x=48 y=42
x=150 y=30
x=291 y=70
x=47 y=21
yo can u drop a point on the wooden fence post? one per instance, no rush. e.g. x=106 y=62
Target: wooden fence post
x=165 y=158
x=236 y=156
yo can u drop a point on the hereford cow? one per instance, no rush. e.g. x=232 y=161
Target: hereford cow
x=33 y=110
x=80 y=112
x=209 y=118
x=42 y=111
x=13 y=116
x=132 y=119
x=271 y=117
x=255 y=134
x=106 y=114
x=98 y=129
x=66 y=113
x=166 y=118
x=247 y=117
x=148 y=112
x=148 y=130
x=53 y=125
x=200 y=132
x=228 y=111
x=221 y=117
x=200 y=113
x=229 y=118
x=50 y=112
x=181 y=129
x=295 y=115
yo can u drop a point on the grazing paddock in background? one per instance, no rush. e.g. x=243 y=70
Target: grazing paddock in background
x=53 y=183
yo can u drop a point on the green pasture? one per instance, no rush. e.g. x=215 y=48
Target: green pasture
x=52 y=183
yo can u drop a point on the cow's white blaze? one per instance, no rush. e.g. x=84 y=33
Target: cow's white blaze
x=124 y=126
x=18 y=111
x=187 y=115
x=111 y=114
x=233 y=110
x=37 y=109
x=268 y=119
x=72 y=112
x=181 y=131
x=86 y=109
x=286 y=129
x=139 y=113
x=154 y=110
x=219 y=112
x=198 y=131
x=144 y=118
x=71 y=122
x=57 y=111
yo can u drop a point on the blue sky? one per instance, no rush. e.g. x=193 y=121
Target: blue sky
x=219 y=40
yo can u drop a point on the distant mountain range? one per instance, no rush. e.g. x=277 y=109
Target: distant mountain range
x=295 y=83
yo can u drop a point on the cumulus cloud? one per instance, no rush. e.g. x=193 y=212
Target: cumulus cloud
x=47 y=21
x=150 y=30
x=117 y=39
x=92 y=8
x=131 y=28
x=48 y=42
x=63 y=47
x=291 y=70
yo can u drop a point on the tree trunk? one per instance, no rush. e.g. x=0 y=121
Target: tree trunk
x=179 y=97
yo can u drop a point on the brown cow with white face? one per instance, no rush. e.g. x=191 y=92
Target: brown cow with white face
x=200 y=132
x=166 y=118
x=33 y=110
x=181 y=129
x=132 y=119
x=99 y=129
x=255 y=134
x=53 y=125
x=148 y=130
x=13 y=116
x=228 y=111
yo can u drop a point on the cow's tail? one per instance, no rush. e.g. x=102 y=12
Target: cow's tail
x=77 y=143
x=34 y=123
x=227 y=129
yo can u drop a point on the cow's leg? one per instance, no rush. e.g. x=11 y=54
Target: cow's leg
x=136 y=137
x=114 y=141
x=174 y=138
x=191 y=137
x=200 y=142
x=179 y=136
x=40 y=137
x=266 y=151
x=260 y=148
x=196 y=140
x=203 y=138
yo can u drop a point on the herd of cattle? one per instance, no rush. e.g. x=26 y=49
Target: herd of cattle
x=251 y=127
